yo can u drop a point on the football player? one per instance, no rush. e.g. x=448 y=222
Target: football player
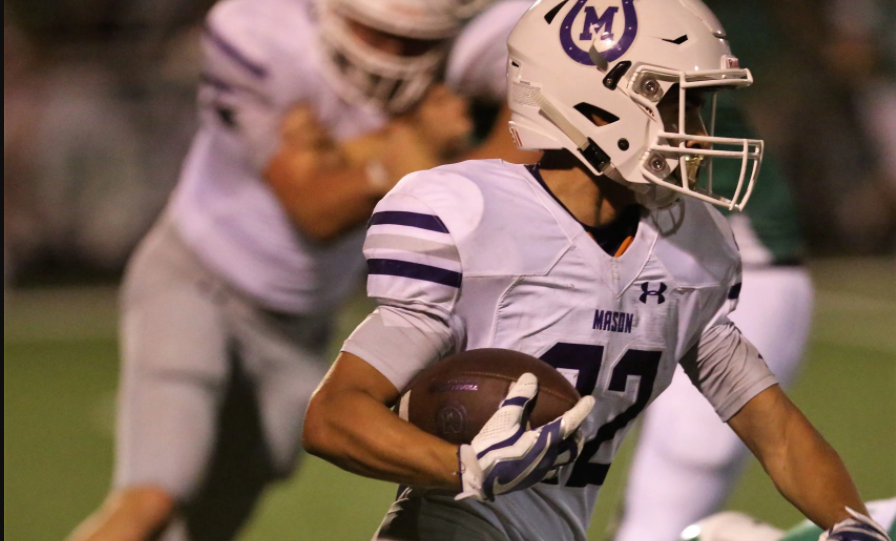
x=606 y=259
x=673 y=482
x=310 y=112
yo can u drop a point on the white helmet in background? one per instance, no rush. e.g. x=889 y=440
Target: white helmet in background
x=572 y=61
x=363 y=74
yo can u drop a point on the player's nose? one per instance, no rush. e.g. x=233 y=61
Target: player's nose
x=698 y=145
x=696 y=126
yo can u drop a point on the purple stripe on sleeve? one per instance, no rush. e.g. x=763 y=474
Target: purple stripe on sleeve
x=227 y=48
x=416 y=271
x=211 y=80
x=410 y=219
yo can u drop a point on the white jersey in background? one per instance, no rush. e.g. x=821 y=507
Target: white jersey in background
x=479 y=254
x=261 y=58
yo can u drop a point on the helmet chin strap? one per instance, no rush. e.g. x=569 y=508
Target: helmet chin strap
x=590 y=151
x=657 y=197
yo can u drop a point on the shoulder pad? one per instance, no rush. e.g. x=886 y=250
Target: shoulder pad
x=494 y=216
x=696 y=244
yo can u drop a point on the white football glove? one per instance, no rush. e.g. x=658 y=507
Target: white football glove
x=505 y=456
x=856 y=528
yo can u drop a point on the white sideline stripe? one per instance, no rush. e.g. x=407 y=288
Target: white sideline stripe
x=836 y=301
x=857 y=343
x=89 y=313
x=867 y=322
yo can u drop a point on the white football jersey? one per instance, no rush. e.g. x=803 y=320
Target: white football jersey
x=261 y=58
x=483 y=247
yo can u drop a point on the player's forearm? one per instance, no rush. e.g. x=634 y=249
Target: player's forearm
x=803 y=466
x=339 y=428
x=811 y=475
x=322 y=201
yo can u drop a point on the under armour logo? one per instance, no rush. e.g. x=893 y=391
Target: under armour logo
x=658 y=293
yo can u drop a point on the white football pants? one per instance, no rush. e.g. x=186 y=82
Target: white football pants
x=687 y=460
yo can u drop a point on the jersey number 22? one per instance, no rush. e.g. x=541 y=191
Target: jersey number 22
x=587 y=360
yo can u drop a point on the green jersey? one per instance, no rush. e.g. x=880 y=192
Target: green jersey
x=770 y=211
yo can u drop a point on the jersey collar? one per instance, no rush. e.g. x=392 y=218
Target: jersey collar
x=627 y=267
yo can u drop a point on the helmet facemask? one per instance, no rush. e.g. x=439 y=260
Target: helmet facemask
x=364 y=75
x=680 y=157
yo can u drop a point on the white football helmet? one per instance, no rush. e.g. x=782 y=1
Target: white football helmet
x=574 y=60
x=364 y=75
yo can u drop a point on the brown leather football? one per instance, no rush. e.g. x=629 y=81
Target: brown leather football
x=454 y=397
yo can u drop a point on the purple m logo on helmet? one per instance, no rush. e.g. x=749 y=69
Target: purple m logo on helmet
x=588 y=19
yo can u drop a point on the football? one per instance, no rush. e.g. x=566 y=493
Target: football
x=454 y=397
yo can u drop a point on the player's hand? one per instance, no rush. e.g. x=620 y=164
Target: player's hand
x=432 y=134
x=301 y=130
x=307 y=142
x=443 y=121
x=505 y=457
x=856 y=528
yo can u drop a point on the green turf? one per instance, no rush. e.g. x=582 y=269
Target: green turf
x=60 y=371
x=58 y=400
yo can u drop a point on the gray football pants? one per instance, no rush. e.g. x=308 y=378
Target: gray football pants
x=413 y=518
x=213 y=388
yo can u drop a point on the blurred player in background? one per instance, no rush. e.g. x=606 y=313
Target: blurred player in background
x=687 y=462
x=309 y=114
x=604 y=259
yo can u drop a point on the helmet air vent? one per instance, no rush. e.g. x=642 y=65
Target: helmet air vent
x=612 y=78
x=677 y=41
x=549 y=16
x=599 y=117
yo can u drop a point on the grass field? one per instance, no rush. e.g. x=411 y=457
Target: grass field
x=60 y=370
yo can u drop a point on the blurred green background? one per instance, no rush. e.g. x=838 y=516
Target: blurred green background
x=60 y=371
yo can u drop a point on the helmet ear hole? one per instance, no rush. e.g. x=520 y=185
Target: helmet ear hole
x=597 y=116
